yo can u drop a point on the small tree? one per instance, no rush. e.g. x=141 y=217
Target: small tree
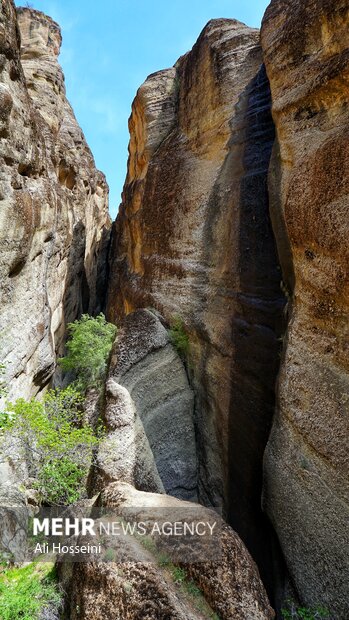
x=88 y=349
x=52 y=439
x=69 y=401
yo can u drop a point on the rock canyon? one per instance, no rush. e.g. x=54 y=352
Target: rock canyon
x=232 y=230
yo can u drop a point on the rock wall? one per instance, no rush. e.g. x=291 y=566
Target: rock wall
x=149 y=413
x=306 y=51
x=193 y=238
x=54 y=204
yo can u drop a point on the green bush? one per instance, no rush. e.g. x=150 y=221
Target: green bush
x=67 y=403
x=53 y=440
x=88 y=349
x=25 y=592
x=179 y=337
x=59 y=481
x=179 y=575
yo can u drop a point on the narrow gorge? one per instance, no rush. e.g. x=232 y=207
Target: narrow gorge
x=226 y=388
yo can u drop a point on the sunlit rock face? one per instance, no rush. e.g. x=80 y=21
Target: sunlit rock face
x=193 y=238
x=306 y=51
x=54 y=204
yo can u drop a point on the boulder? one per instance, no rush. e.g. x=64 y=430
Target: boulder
x=124 y=454
x=139 y=585
x=154 y=395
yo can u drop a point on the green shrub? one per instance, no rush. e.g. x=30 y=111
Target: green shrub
x=179 y=575
x=59 y=481
x=193 y=589
x=53 y=440
x=67 y=402
x=179 y=337
x=25 y=592
x=88 y=349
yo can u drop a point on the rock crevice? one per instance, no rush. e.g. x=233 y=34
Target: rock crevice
x=193 y=238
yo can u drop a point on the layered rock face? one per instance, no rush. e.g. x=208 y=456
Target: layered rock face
x=54 y=204
x=137 y=585
x=306 y=51
x=125 y=453
x=149 y=413
x=193 y=238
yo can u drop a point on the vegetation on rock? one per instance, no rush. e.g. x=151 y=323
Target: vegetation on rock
x=293 y=612
x=54 y=442
x=51 y=438
x=29 y=591
x=88 y=349
x=179 y=337
x=181 y=578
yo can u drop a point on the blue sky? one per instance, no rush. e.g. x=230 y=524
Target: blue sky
x=109 y=48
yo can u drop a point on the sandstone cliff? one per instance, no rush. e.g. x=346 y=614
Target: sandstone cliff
x=54 y=204
x=193 y=238
x=306 y=51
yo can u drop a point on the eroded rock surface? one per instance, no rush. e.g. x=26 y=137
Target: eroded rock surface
x=54 y=204
x=14 y=517
x=149 y=412
x=193 y=238
x=306 y=51
x=138 y=586
x=124 y=454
